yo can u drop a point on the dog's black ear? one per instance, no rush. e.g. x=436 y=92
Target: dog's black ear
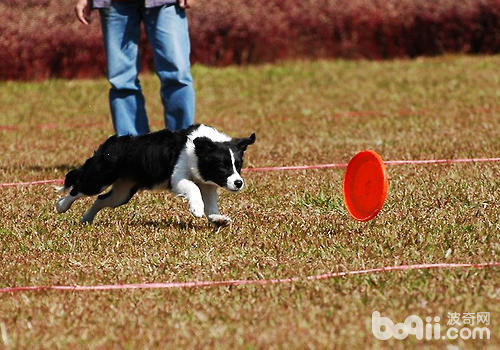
x=203 y=144
x=243 y=143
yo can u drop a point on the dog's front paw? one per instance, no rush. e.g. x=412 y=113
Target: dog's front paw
x=220 y=220
x=86 y=220
x=197 y=209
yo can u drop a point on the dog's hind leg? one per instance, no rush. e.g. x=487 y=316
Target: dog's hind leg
x=121 y=192
x=64 y=203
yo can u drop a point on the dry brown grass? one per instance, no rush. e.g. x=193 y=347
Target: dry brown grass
x=285 y=224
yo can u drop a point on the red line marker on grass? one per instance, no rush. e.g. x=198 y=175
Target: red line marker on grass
x=194 y=284
x=30 y=183
x=389 y=162
x=298 y=167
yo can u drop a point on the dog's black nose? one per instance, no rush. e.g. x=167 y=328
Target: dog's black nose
x=238 y=183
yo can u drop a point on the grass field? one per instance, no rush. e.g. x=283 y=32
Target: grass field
x=285 y=224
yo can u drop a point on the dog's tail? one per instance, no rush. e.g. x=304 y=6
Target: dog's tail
x=70 y=180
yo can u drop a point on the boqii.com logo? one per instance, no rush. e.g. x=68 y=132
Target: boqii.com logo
x=463 y=326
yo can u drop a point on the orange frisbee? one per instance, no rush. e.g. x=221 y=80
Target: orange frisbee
x=365 y=185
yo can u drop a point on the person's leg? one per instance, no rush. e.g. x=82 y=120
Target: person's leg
x=167 y=31
x=121 y=32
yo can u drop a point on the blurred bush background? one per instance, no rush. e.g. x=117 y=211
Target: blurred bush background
x=41 y=38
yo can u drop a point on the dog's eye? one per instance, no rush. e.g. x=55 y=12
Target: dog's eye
x=222 y=163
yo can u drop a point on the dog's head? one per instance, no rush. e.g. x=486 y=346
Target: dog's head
x=220 y=162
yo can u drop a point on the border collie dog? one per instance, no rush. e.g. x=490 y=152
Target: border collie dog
x=191 y=163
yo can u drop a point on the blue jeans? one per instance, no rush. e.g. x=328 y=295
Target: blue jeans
x=167 y=31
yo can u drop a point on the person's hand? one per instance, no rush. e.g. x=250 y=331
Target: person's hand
x=185 y=4
x=82 y=11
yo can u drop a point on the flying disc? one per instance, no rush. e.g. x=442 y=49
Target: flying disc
x=365 y=185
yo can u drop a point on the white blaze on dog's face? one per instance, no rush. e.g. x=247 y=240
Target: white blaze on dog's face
x=220 y=162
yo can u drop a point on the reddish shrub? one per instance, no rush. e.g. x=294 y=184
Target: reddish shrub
x=41 y=38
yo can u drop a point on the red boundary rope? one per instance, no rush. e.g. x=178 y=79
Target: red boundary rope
x=193 y=284
x=299 y=167
x=389 y=162
x=330 y=275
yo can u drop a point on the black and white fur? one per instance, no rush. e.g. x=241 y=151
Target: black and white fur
x=192 y=163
